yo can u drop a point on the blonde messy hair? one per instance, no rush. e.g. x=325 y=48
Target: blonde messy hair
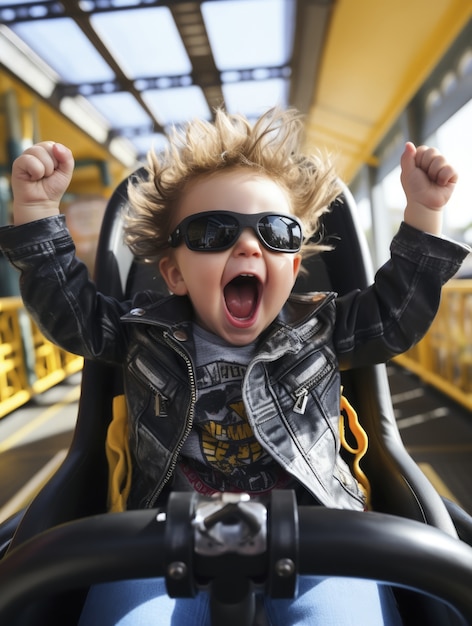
x=270 y=147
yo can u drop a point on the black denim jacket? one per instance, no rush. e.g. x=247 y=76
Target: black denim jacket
x=299 y=356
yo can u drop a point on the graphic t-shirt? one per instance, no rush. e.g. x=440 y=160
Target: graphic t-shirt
x=221 y=453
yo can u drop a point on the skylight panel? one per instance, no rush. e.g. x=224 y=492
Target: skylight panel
x=143 y=143
x=254 y=97
x=26 y=64
x=145 y=42
x=174 y=106
x=63 y=46
x=121 y=110
x=250 y=33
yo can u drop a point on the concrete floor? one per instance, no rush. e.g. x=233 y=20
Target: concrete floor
x=33 y=442
x=437 y=432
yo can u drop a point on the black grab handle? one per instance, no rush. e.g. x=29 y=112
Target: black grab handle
x=320 y=542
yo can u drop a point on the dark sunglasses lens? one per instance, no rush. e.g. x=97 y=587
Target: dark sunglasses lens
x=280 y=232
x=212 y=232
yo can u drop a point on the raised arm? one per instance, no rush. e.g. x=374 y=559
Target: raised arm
x=428 y=181
x=40 y=176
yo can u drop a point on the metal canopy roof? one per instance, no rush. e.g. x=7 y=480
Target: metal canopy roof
x=126 y=70
x=123 y=71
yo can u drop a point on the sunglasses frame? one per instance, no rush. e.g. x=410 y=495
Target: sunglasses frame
x=244 y=220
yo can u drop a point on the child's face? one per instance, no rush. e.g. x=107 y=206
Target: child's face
x=236 y=293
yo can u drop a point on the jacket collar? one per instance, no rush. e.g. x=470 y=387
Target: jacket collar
x=301 y=306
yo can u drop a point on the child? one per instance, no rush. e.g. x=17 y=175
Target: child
x=233 y=384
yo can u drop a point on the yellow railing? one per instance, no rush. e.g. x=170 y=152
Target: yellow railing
x=50 y=364
x=444 y=357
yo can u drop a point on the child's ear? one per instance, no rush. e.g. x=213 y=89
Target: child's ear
x=297 y=263
x=170 y=272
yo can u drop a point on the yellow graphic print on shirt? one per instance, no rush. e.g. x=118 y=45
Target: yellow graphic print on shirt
x=222 y=452
x=226 y=446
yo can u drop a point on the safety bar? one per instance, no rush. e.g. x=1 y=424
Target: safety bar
x=292 y=541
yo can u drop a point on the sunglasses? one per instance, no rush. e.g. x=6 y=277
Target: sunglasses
x=214 y=231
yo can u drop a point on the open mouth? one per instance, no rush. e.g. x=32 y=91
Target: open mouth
x=242 y=296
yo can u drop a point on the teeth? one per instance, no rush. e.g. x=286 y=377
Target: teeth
x=244 y=276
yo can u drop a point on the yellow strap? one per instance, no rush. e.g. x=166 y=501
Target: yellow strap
x=118 y=457
x=362 y=444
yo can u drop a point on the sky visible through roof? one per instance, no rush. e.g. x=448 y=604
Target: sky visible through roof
x=145 y=42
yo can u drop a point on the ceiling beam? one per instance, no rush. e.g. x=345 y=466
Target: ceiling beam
x=311 y=24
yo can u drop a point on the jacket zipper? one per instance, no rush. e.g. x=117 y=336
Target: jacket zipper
x=157 y=491
x=301 y=394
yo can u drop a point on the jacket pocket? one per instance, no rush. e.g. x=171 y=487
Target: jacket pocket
x=302 y=393
x=148 y=376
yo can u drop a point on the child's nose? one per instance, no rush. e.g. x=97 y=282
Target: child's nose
x=248 y=243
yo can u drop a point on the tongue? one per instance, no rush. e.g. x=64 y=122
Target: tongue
x=240 y=298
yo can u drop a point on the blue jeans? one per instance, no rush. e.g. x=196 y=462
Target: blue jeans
x=328 y=602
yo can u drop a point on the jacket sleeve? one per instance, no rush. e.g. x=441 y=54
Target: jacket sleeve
x=58 y=293
x=395 y=312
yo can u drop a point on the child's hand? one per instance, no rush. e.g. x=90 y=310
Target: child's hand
x=428 y=181
x=40 y=176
